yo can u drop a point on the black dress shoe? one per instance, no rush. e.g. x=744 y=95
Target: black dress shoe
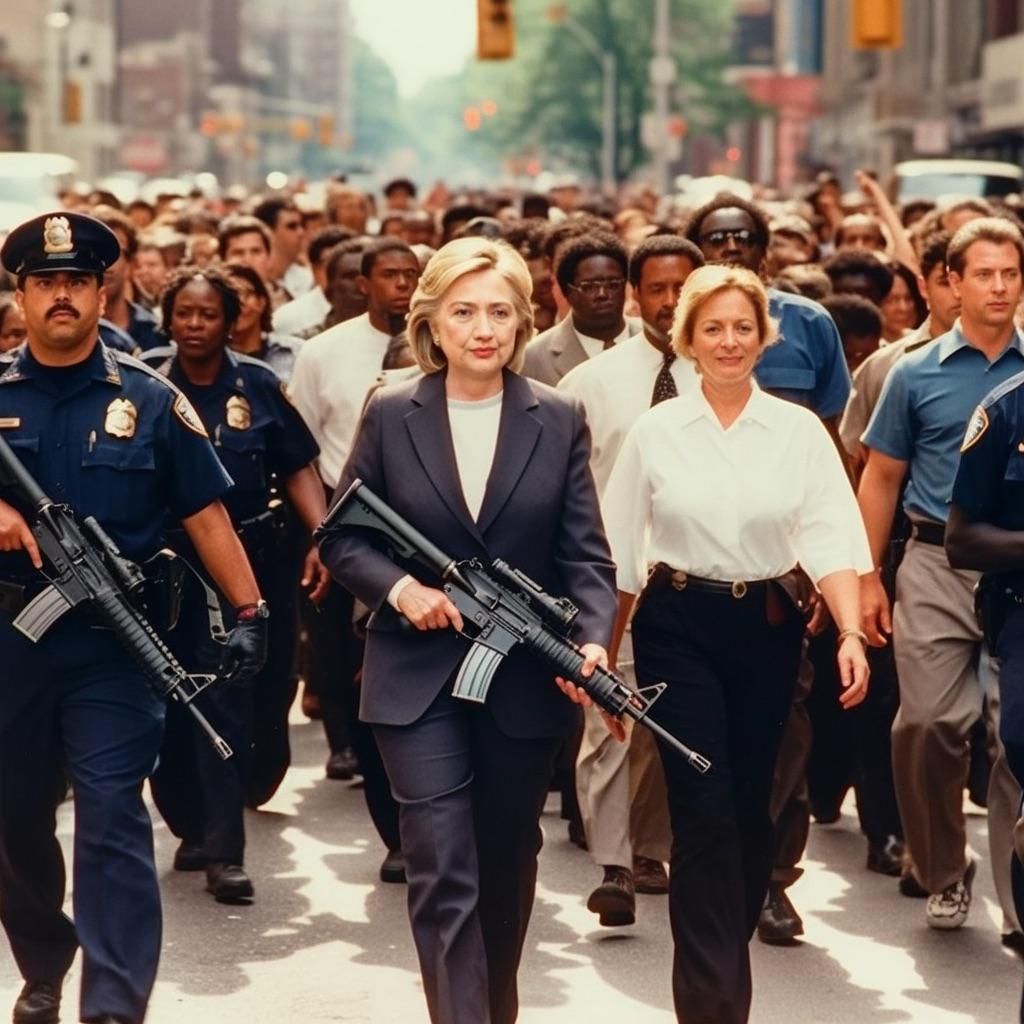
x=779 y=923
x=576 y=835
x=342 y=765
x=911 y=887
x=38 y=1002
x=614 y=900
x=228 y=883
x=1014 y=941
x=393 y=867
x=189 y=857
x=886 y=858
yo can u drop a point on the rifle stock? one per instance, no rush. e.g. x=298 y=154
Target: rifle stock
x=88 y=569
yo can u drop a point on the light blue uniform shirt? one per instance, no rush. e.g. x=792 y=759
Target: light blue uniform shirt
x=922 y=415
x=807 y=366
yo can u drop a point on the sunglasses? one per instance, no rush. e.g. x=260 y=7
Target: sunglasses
x=742 y=236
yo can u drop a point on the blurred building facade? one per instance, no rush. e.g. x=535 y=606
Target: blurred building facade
x=954 y=86
x=58 y=79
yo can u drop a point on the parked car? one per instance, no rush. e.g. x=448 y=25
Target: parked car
x=35 y=180
x=935 y=179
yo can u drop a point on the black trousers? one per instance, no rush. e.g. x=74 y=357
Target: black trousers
x=854 y=747
x=471 y=799
x=730 y=674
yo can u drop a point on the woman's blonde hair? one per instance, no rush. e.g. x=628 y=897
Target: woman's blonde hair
x=706 y=282
x=452 y=261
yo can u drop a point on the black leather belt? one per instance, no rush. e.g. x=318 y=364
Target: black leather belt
x=664 y=575
x=928 y=532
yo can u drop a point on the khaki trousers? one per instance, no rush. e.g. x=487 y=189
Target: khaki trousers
x=943 y=675
x=621 y=788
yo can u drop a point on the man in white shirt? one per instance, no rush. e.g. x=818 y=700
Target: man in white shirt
x=591 y=271
x=620 y=786
x=335 y=370
x=297 y=317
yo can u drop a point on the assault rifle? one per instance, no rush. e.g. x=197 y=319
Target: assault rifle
x=85 y=567
x=502 y=607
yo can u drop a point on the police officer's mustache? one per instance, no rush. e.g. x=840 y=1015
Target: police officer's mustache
x=62 y=309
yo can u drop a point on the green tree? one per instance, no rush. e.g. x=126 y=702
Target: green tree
x=550 y=94
x=378 y=121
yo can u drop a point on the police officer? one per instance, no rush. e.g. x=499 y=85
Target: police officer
x=112 y=439
x=260 y=437
x=985 y=530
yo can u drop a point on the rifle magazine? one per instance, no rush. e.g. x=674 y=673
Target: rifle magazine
x=476 y=672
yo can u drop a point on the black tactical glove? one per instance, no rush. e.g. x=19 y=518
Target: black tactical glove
x=245 y=650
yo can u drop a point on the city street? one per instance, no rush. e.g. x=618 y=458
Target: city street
x=325 y=941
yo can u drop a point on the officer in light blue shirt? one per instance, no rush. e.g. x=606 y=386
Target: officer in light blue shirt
x=914 y=438
x=920 y=419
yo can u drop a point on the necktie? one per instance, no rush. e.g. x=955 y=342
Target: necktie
x=608 y=345
x=664 y=383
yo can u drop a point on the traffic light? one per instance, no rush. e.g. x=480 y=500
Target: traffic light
x=495 y=30
x=877 y=24
x=325 y=130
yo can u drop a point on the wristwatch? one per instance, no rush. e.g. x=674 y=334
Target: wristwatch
x=248 y=612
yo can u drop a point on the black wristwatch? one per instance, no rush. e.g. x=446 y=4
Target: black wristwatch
x=248 y=612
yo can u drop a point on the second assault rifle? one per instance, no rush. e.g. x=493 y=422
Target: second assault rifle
x=502 y=607
x=85 y=567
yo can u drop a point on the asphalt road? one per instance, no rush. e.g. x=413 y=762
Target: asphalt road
x=325 y=941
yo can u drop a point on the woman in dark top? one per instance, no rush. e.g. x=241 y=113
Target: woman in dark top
x=487 y=465
x=263 y=443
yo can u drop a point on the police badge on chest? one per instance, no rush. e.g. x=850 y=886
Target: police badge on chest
x=238 y=415
x=121 y=418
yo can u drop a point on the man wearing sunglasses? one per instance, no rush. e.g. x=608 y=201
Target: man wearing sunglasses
x=591 y=271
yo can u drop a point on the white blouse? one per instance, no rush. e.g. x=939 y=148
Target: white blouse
x=474 y=427
x=744 y=503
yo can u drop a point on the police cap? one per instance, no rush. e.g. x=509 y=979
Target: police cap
x=60 y=241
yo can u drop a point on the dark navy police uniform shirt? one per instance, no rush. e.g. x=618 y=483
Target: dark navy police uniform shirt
x=256 y=431
x=112 y=439
x=989 y=484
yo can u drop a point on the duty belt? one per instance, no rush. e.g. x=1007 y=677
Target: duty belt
x=927 y=532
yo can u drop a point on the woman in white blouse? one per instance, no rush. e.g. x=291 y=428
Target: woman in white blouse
x=487 y=465
x=724 y=491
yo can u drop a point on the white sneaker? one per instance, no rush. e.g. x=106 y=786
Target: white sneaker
x=948 y=909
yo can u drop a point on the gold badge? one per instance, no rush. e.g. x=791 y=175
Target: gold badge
x=239 y=413
x=10 y=422
x=121 y=418
x=186 y=412
x=57 y=235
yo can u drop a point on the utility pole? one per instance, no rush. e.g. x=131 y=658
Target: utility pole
x=663 y=74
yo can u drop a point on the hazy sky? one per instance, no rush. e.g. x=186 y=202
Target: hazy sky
x=418 y=38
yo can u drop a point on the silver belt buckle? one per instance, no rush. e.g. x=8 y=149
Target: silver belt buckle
x=678 y=580
x=739 y=589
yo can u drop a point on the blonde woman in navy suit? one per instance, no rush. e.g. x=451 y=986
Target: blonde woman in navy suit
x=487 y=465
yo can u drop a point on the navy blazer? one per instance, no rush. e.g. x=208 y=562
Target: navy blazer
x=540 y=513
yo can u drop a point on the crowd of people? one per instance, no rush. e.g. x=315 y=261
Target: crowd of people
x=731 y=428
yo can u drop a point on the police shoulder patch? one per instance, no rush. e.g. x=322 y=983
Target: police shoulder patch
x=975 y=428
x=186 y=412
